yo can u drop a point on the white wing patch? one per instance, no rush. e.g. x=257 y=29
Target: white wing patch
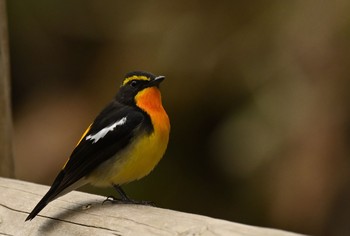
x=100 y=134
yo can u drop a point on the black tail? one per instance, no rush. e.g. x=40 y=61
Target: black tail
x=52 y=194
x=43 y=202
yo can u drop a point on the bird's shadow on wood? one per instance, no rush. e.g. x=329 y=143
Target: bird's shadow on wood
x=67 y=215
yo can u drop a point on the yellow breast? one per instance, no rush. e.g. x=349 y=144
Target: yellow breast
x=145 y=154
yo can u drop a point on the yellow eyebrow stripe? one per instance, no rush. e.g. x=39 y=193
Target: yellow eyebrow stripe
x=135 y=77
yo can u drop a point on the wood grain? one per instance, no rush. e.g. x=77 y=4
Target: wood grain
x=79 y=213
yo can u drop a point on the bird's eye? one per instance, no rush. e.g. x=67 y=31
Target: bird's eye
x=133 y=83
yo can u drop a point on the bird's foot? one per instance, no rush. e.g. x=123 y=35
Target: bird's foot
x=115 y=200
x=112 y=199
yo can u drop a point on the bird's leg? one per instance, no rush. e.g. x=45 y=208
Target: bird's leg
x=124 y=198
x=122 y=194
x=127 y=200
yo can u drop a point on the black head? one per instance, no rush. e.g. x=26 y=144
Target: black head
x=135 y=82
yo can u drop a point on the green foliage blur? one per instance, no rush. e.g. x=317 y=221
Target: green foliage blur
x=257 y=93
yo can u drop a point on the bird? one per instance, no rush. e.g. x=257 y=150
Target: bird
x=123 y=144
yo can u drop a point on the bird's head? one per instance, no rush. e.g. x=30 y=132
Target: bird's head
x=139 y=87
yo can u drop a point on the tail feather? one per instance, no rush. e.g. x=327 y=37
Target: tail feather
x=52 y=194
x=59 y=187
x=43 y=202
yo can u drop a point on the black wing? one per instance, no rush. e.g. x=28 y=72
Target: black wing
x=90 y=152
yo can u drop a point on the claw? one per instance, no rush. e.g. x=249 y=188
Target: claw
x=115 y=200
x=125 y=199
x=111 y=199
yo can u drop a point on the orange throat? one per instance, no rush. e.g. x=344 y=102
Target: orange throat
x=150 y=101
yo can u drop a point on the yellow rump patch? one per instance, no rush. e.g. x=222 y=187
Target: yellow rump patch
x=135 y=77
x=84 y=134
x=86 y=131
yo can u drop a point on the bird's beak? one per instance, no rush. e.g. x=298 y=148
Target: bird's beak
x=157 y=81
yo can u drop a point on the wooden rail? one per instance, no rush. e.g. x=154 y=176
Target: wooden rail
x=79 y=213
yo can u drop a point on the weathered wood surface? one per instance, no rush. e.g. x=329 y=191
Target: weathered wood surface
x=80 y=213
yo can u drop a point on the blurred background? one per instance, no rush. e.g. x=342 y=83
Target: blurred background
x=257 y=92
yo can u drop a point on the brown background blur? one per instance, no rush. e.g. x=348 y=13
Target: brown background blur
x=257 y=92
